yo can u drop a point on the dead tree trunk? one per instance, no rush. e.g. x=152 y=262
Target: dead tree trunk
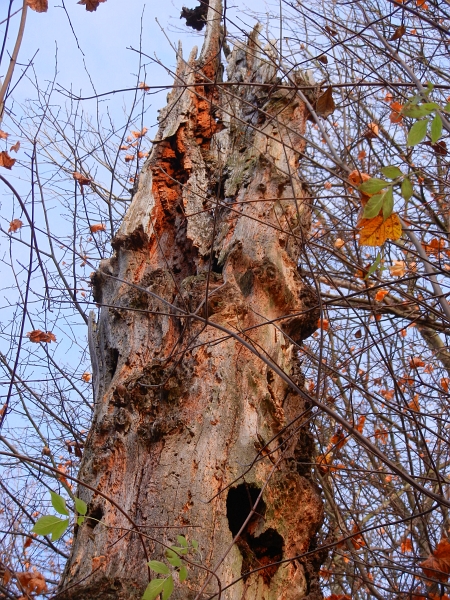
x=212 y=238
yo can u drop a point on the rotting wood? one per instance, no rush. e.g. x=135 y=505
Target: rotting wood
x=179 y=415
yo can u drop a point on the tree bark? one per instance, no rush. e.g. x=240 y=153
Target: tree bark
x=212 y=239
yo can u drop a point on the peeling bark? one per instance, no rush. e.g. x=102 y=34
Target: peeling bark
x=181 y=409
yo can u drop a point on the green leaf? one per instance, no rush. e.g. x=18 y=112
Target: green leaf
x=81 y=506
x=436 y=128
x=407 y=189
x=59 y=504
x=431 y=106
x=417 y=132
x=51 y=525
x=416 y=112
x=167 y=588
x=153 y=589
x=388 y=203
x=374 y=266
x=183 y=574
x=391 y=172
x=179 y=550
x=175 y=561
x=373 y=186
x=373 y=206
x=159 y=567
x=182 y=541
x=173 y=558
x=80 y=520
x=194 y=544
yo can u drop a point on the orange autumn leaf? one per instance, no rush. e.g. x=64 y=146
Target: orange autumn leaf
x=91 y=5
x=142 y=154
x=360 y=426
x=387 y=394
x=138 y=134
x=15 y=225
x=3 y=135
x=437 y=565
x=434 y=247
x=445 y=381
x=374 y=232
x=15 y=147
x=129 y=157
x=396 y=116
x=97 y=227
x=414 y=404
x=406 y=546
x=124 y=147
x=362 y=154
x=381 y=294
x=357 y=540
x=339 y=243
x=38 y=5
x=357 y=177
x=323 y=324
x=381 y=435
x=371 y=131
x=37 y=336
x=86 y=377
x=416 y=362
x=398 y=268
x=143 y=86
x=5 y=160
x=32 y=582
x=328 y=185
x=338 y=440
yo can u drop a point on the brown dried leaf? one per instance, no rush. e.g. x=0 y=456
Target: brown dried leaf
x=5 y=160
x=32 y=582
x=3 y=135
x=27 y=543
x=37 y=336
x=437 y=565
x=129 y=157
x=38 y=5
x=143 y=86
x=398 y=33
x=325 y=105
x=82 y=180
x=15 y=147
x=445 y=381
x=330 y=31
x=15 y=225
x=323 y=59
x=90 y=5
x=86 y=377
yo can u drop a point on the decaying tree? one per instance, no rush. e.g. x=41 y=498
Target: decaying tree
x=200 y=301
